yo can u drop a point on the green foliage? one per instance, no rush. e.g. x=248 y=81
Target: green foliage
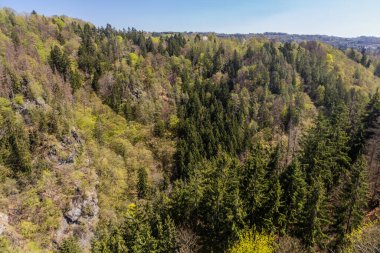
x=254 y=185
x=211 y=202
x=159 y=128
x=19 y=99
x=353 y=201
x=144 y=230
x=253 y=242
x=70 y=245
x=110 y=240
x=295 y=190
x=364 y=237
x=28 y=229
x=5 y=245
x=75 y=80
x=210 y=136
x=59 y=61
x=173 y=122
x=316 y=219
x=14 y=141
x=133 y=59
x=377 y=70
x=142 y=183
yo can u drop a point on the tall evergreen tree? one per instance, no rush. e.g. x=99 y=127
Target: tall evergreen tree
x=315 y=220
x=295 y=192
x=142 y=183
x=254 y=185
x=353 y=200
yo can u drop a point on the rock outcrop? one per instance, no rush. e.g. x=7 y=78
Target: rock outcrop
x=80 y=219
x=3 y=223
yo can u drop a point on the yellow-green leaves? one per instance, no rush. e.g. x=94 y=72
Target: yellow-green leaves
x=133 y=59
x=19 y=99
x=253 y=242
x=28 y=229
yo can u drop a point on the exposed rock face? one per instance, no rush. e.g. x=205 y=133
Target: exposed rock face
x=3 y=222
x=83 y=207
x=81 y=219
x=67 y=150
x=69 y=159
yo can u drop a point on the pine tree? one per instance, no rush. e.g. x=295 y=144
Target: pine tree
x=272 y=211
x=274 y=218
x=295 y=190
x=364 y=59
x=325 y=148
x=14 y=141
x=377 y=70
x=150 y=46
x=254 y=185
x=160 y=47
x=141 y=42
x=315 y=219
x=166 y=236
x=338 y=139
x=220 y=211
x=325 y=160
x=142 y=183
x=70 y=245
x=353 y=200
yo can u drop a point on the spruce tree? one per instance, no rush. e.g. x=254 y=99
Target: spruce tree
x=273 y=217
x=315 y=221
x=295 y=190
x=142 y=184
x=254 y=185
x=353 y=200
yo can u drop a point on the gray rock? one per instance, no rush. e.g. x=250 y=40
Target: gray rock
x=81 y=207
x=69 y=159
x=3 y=222
x=81 y=219
x=75 y=136
x=73 y=215
x=40 y=101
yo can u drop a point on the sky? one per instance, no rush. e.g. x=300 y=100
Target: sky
x=346 y=18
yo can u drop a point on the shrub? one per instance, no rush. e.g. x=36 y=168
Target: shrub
x=253 y=242
x=28 y=229
x=70 y=245
x=364 y=238
x=19 y=99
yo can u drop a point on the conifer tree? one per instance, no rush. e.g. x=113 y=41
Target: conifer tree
x=315 y=220
x=160 y=47
x=150 y=46
x=273 y=216
x=377 y=70
x=353 y=200
x=295 y=190
x=254 y=185
x=142 y=184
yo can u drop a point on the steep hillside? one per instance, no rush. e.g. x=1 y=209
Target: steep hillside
x=120 y=141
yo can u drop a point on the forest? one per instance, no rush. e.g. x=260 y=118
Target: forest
x=130 y=141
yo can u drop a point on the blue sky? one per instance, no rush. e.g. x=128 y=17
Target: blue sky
x=332 y=17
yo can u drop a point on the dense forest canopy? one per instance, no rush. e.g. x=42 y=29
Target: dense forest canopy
x=128 y=141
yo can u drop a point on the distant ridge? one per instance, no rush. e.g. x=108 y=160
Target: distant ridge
x=370 y=43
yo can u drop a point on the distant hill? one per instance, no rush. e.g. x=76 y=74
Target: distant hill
x=370 y=43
